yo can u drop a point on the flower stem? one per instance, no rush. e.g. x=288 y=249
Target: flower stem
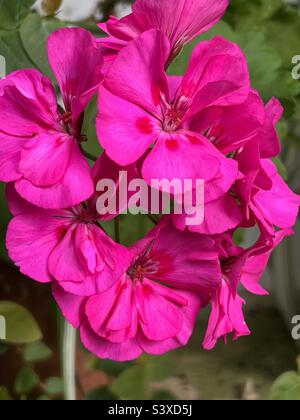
x=152 y=218
x=68 y=361
x=117 y=230
x=89 y=156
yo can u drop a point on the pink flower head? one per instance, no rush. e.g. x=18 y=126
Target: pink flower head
x=154 y=305
x=189 y=18
x=67 y=246
x=258 y=194
x=266 y=198
x=244 y=267
x=39 y=145
x=144 y=107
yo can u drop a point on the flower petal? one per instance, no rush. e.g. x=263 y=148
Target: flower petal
x=148 y=55
x=76 y=63
x=124 y=130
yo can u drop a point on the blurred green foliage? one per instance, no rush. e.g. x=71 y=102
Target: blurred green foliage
x=287 y=386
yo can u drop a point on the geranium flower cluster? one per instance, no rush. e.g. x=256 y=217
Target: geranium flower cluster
x=209 y=124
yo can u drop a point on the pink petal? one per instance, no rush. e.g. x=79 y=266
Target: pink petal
x=126 y=351
x=10 y=155
x=220 y=216
x=63 y=264
x=226 y=318
x=269 y=141
x=28 y=104
x=190 y=313
x=16 y=204
x=217 y=125
x=186 y=260
x=31 y=237
x=72 y=306
x=280 y=205
x=45 y=158
x=160 y=319
x=124 y=130
x=76 y=63
x=75 y=187
x=148 y=55
x=181 y=155
x=206 y=82
x=189 y=18
x=257 y=261
x=125 y=29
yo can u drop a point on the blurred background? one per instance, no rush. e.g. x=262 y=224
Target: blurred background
x=261 y=366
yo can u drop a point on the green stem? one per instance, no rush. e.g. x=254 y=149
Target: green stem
x=89 y=156
x=68 y=361
x=152 y=218
x=117 y=230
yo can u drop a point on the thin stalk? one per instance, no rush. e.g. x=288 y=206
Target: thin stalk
x=117 y=230
x=89 y=156
x=152 y=218
x=68 y=361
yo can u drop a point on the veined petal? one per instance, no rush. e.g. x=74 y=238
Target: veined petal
x=138 y=73
x=124 y=129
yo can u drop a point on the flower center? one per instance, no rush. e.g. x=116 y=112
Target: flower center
x=172 y=120
x=143 y=266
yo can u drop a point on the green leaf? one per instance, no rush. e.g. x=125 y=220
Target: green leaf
x=37 y=352
x=108 y=366
x=21 y=327
x=34 y=32
x=132 y=384
x=286 y=388
x=163 y=395
x=12 y=50
x=89 y=129
x=281 y=168
x=43 y=398
x=26 y=381
x=3 y=348
x=54 y=386
x=101 y=394
x=4 y=394
x=12 y=12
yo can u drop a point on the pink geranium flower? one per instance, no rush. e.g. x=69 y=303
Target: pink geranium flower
x=65 y=246
x=239 y=267
x=154 y=305
x=259 y=192
x=39 y=145
x=144 y=108
x=189 y=18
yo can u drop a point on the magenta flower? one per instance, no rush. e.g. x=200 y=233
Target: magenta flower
x=64 y=246
x=244 y=267
x=39 y=145
x=180 y=21
x=143 y=107
x=259 y=193
x=154 y=305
